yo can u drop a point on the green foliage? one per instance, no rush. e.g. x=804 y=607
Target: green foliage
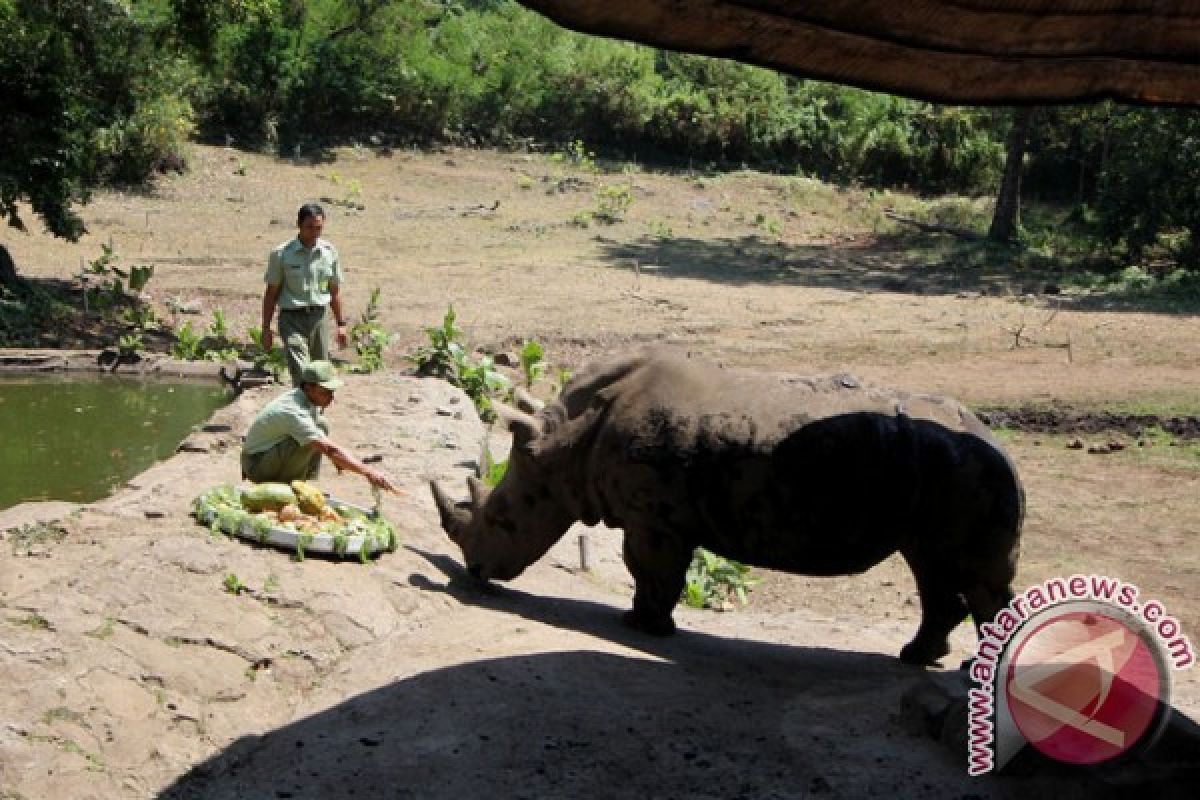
x=233 y=584
x=94 y=91
x=715 y=582
x=219 y=327
x=493 y=471
x=107 y=284
x=480 y=380
x=661 y=230
x=33 y=537
x=27 y=311
x=370 y=338
x=131 y=344
x=273 y=361
x=533 y=361
x=187 y=346
x=438 y=358
x=99 y=91
x=612 y=202
x=577 y=154
x=446 y=357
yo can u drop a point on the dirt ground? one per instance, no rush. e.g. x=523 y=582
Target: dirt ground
x=406 y=683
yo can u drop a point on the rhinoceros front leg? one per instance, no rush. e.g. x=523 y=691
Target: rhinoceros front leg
x=658 y=562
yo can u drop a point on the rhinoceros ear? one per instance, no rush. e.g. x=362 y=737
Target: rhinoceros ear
x=527 y=402
x=455 y=519
x=479 y=492
x=525 y=428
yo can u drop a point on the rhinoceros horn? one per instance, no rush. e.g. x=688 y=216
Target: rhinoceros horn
x=525 y=427
x=455 y=518
x=527 y=402
x=479 y=492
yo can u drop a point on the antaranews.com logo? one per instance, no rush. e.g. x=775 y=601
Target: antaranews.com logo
x=1076 y=667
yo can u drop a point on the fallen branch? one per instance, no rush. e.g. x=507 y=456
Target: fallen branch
x=933 y=227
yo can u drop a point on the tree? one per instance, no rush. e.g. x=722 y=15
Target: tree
x=90 y=90
x=1006 y=219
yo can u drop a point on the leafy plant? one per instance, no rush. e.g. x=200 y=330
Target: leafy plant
x=130 y=344
x=446 y=357
x=577 y=153
x=112 y=280
x=661 y=230
x=439 y=357
x=479 y=380
x=715 y=582
x=140 y=317
x=533 y=363
x=219 y=327
x=370 y=338
x=492 y=470
x=233 y=584
x=27 y=538
x=273 y=361
x=188 y=344
x=612 y=202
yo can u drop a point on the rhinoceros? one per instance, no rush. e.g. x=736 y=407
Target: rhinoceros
x=813 y=476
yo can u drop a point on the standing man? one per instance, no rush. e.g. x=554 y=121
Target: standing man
x=304 y=279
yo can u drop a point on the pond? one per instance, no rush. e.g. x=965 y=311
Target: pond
x=77 y=438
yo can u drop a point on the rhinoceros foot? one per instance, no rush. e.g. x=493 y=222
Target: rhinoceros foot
x=924 y=654
x=658 y=626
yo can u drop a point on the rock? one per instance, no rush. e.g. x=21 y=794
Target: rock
x=1075 y=444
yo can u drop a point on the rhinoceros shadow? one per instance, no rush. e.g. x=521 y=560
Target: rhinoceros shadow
x=703 y=717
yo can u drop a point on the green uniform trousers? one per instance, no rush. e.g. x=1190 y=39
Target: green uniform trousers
x=285 y=462
x=305 y=337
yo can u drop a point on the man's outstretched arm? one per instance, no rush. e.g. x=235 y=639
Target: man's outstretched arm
x=342 y=459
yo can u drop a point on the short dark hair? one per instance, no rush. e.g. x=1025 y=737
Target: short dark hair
x=309 y=210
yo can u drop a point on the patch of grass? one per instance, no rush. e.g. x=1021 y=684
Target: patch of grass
x=33 y=535
x=233 y=584
x=61 y=713
x=95 y=763
x=1006 y=435
x=1177 y=291
x=33 y=621
x=104 y=630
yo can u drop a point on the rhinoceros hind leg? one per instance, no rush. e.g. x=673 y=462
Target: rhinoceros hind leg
x=942 y=609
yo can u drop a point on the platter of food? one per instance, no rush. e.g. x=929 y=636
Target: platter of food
x=297 y=517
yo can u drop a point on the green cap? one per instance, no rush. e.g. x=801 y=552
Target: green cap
x=321 y=373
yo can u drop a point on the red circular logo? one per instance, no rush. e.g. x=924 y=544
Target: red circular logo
x=1084 y=687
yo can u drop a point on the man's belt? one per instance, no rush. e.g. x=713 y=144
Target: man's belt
x=304 y=309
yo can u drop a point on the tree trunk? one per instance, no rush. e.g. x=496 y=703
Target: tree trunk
x=1007 y=216
x=8 y=270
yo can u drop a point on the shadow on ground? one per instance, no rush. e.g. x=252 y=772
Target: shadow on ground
x=703 y=717
x=885 y=263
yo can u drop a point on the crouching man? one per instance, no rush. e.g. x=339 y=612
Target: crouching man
x=288 y=437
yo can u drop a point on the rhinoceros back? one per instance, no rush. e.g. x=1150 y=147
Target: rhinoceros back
x=811 y=475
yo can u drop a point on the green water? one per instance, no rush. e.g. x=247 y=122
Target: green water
x=78 y=438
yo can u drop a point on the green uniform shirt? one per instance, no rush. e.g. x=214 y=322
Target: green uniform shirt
x=305 y=274
x=289 y=415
